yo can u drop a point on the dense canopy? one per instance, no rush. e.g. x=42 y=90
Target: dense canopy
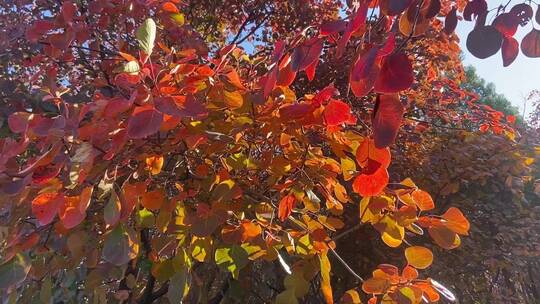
x=158 y=151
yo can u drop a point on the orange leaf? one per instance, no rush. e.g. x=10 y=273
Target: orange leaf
x=170 y=8
x=387 y=117
x=375 y=285
x=371 y=184
x=45 y=206
x=444 y=237
x=367 y=151
x=351 y=296
x=250 y=230
x=153 y=200
x=419 y=257
x=337 y=112
x=154 y=164
x=69 y=212
x=456 y=221
x=423 y=200
x=409 y=273
x=285 y=207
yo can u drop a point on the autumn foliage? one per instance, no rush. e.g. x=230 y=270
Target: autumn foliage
x=153 y=137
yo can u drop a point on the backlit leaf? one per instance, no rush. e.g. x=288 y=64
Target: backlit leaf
x=375 y=285
x=351 y=296
x=306 y=54
x=423 y=200
x=146 y=36
x=444 y=237
x=396 y=74
x=286 y=204
x=45 y=206
x=364 y=72
x=231 y=259
x=456 y=221
x=419 y=257
x=509 y=50
x=338 y=112
x=387 y=117
x=371 y=184
x=325 y=278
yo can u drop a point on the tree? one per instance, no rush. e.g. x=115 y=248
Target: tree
x=163 y=160
x=487 y=93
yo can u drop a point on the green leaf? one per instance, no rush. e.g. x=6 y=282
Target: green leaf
x=298 y=283
x=178 y=18
x=111 y=213
x=14 y=272
x=45 y=293
x=178 y=286
x=131 y=67
x=232 y=259
x=146 y=35
x=286 y=297
x=121 y=245
x=200 y=248
x=145 y=218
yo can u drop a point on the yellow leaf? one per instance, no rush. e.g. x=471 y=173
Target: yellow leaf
x=154 y=164
x=325 y=278
x=419 y=257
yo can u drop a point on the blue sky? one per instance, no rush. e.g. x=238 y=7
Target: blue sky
x=514 y=81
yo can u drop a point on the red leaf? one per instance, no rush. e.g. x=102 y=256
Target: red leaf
x=270 y=82
x=180 y=106
x=484 y=41
x=387 y=117
x=73 y=208
x=506 y=24
x=371 y=184
x=476 y=8
x=170 y=7
x=367 y=151
x=396 y=74
x=332 y=27
x=394 y=7
x=450 y=22
x=337 y=112
x=306 y=54
x=145 y=121
x=68 y=11
x=43 y=174
x=45 y=206
x=285 y=207
x=523 y=13
x=530 y=45
x=295 y=111
x=18 y=121
x=509 y=50
x=357 y=20
x=364 y=73
x=310 y=70
x=286 y=76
